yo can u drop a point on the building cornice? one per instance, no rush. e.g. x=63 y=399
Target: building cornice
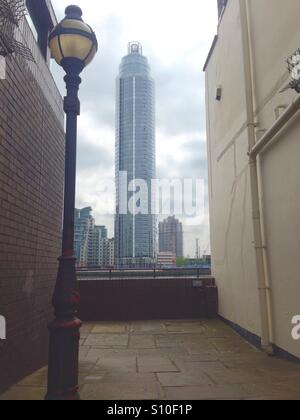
x=221 y=14
x=210 y=52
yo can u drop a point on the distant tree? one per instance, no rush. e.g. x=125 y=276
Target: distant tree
x=181 y=262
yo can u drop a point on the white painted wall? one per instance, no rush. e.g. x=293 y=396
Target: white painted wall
x=275 y=34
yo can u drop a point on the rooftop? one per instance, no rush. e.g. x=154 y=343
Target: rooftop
x=170 y=360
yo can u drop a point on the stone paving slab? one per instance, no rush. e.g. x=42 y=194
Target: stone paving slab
x=19 y=393
x=202 y=348
x=215 y=329
x=218 y=373
x=156 y=364
x=84 y=350
x=98 y=353
x=87 y=327
x=117 y=364
x=117 y=391
x=232 y=345
x=172 y=353
x=142 y=342
x=110 y=328
x=185 y=327
x=184 y=379
x=211 y=392
x=107 y=340
x=185 y=339
x=170 y=360
x=37 y=379
x=148 y=327
x=131 y=378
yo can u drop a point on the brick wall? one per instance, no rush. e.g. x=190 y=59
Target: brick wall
x=31 y=192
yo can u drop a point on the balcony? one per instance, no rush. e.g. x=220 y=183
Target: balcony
x=155 y=335
x=170 y=360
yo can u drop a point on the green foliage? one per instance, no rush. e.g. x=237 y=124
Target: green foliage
x=184 y=262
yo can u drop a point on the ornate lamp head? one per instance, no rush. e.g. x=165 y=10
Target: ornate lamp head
x=73 y=42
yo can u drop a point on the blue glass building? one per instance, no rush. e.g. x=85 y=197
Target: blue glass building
x=135 y=234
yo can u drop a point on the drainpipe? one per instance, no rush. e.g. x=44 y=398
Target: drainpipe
x=279 y=124
x=265 y=250
x=255 y=154
x=263 y=288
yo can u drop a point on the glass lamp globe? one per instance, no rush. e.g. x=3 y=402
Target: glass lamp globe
x=72 y=40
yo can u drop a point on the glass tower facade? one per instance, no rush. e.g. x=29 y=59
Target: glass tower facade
x=135 y=233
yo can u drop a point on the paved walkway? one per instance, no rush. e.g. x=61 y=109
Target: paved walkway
x=173 y=360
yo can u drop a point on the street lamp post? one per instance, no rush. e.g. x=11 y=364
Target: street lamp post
x=73 y=45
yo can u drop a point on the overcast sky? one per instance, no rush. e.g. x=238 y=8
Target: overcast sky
x=176 y=37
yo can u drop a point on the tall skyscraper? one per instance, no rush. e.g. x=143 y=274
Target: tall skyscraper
x=135 y=234
x=88 y=239
x=171 y=236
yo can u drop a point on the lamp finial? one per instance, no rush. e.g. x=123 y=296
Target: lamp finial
x=73 y=12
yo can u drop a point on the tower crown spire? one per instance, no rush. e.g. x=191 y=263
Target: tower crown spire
x=135 y=48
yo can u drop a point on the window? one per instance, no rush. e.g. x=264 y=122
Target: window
x=31 y=24
x=41 y=22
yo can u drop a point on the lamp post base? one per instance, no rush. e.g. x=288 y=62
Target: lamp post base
x=64 y=335
x=63 y=360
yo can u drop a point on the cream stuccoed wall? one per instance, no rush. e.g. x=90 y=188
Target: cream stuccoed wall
x=274 y=35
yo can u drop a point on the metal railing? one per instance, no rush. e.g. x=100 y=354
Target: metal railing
x=156 y=273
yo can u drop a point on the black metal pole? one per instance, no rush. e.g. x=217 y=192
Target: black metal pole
x=64 y=330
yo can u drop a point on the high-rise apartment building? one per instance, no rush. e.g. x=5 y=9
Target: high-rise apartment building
x=97 y=235
x=84 y=226
x=166 y=259
x=171 y=236
x=135 y=159
x=92 y=246
x=107 y=253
